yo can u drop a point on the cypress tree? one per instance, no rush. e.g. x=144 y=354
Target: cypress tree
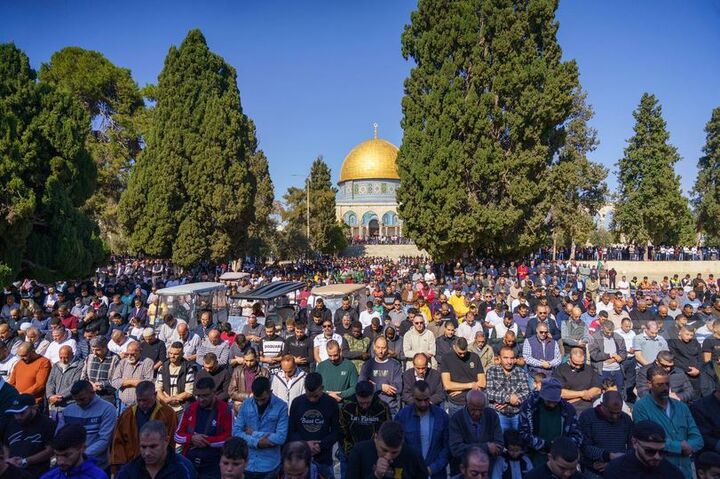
x=261 y=231
x=47 y=175
x=322 y=206
x=650 y=206
x=707 y=185
x=189 y=195
x=483 y=112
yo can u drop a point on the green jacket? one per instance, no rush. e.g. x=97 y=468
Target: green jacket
x=679 y=427
x=355 y=349
x=340 y=378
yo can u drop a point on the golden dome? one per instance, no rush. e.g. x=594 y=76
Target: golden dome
x=371 y=159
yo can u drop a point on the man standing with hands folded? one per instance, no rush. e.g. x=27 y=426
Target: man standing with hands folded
x=460 y=372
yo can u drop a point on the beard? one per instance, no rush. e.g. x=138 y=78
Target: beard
x=132 y=359
x=63 y=366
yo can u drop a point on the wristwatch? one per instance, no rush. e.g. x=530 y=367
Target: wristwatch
x=23 y=463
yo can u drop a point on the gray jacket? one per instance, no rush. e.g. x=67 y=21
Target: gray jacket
x=60 y=382
x=596 y=347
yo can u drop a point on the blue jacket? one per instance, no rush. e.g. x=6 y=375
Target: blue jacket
x=274 y=423
x=438 y=453
x=86 y=470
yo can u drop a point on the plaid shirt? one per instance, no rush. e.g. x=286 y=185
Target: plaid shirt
x=500 y=386
x=98 y=370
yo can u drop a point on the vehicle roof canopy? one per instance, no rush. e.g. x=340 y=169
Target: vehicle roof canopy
x=337 y=289
x=191 y=288
x=271 y=291
x=234 y=276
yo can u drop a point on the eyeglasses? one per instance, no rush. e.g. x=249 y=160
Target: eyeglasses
x=651 y=451
x=418 y=322
x=542 y=332
x=327 y=326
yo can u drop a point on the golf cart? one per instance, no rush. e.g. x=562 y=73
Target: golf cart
x=187 y=301
x=333 y=294
x=232 y=278
x=277 y=303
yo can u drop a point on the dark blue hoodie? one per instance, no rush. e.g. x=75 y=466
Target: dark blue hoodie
x=86 y=470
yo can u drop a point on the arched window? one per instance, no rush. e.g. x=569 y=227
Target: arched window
x=350 y=218
x=390 y=219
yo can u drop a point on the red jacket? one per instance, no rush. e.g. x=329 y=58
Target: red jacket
x=188 y=426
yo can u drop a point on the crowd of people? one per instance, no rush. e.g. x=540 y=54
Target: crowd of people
x=537 y=369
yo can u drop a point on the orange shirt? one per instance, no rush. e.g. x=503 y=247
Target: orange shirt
x=31 y=378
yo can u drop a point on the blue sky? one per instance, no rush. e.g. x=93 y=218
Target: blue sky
x=315 y=75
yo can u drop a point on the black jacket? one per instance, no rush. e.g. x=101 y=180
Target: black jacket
x=221 y=376
x=706 y=412
x=443 y=346
x=302 y=348
x=628 y=466
x=708 y=379
x=339 y=313
x=357 y=425
x=176 y=467
x=679 y=383
x=462 y=436
x=432 y=377
x=361 y=463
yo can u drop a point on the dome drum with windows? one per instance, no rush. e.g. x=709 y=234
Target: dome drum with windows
x=366 y=190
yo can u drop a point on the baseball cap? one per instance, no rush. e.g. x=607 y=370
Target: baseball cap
x=550 y=390
x=649 y=431
x=21 y=403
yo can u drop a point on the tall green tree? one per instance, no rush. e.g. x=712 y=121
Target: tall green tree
x=115 y=107
x=650 y=206
x=189 y=194
x=576 y=187
x=46 y=175
x=483 y=112
x=326 y=234
x=261 y=231
x=323 y=224
x=707 y=185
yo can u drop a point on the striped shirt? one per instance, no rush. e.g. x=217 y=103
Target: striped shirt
x=174 y=371
x=601 y=436
x=143 y=370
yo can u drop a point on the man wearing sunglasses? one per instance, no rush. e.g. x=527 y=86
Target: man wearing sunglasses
x=683 y=436
x=647 y=458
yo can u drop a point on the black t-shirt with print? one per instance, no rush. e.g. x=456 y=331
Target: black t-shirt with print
x=462 y=370
x=24 y=440
x=712 y=345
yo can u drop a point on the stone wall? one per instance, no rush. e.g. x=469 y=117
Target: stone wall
x=383 y=251
x=658 y=269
